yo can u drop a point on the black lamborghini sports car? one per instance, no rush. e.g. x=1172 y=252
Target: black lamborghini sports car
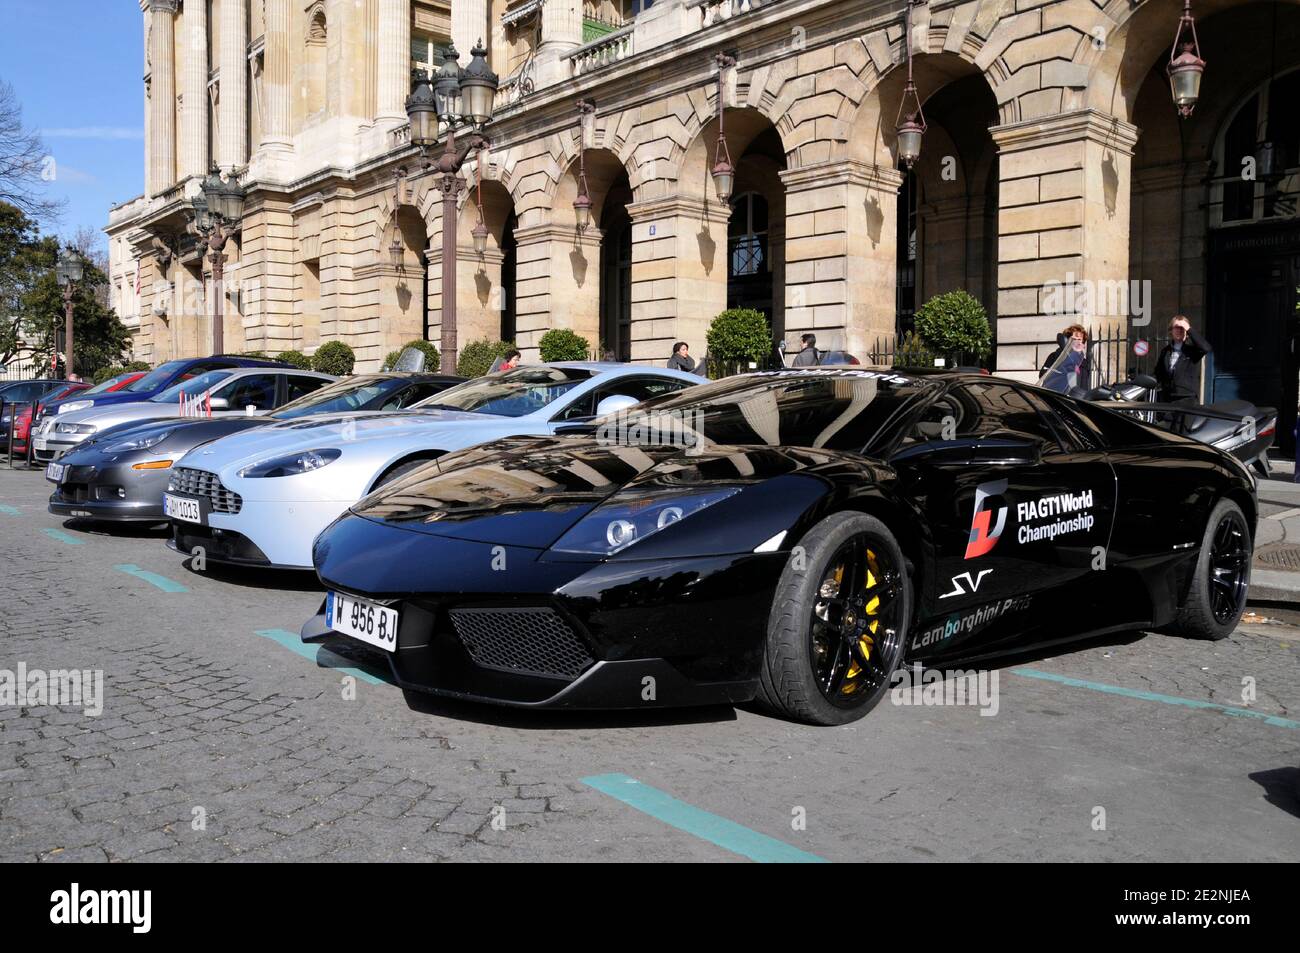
x=791 y=537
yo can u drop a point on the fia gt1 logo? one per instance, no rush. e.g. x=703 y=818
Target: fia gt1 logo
x=965 y=584
x=982 y=539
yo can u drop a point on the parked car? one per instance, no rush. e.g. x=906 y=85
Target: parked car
x=121 y=474
x=260 y=497
x=158 y=380
x=233 y=391
x=22 y=415
x=824 y=528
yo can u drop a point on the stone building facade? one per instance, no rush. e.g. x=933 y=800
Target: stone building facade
x=1053 y=154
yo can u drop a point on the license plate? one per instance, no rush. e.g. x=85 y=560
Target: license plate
x=179 y=508
x=54 y=472
x=373 y=624
x=39 y=443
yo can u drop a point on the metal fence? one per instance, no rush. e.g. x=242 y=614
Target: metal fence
x=23 y=368
x=1115 y=353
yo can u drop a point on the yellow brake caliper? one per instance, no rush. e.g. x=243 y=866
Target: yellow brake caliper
x=871 y=608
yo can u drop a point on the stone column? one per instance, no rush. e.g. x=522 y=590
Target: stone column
x=275 y=77
x=469 y=24
x=1063 y=230
x=557 y=284
x=394 y=80
x=561 y=33
x=679 y=273
x=841 y=254
x=233 y=97
x=194 y=92
x=162 y=98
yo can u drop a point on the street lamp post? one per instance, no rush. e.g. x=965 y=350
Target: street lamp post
x=217 y=213
x=461 y=102
x=69 y=270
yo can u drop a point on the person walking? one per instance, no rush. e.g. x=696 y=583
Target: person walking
x=681 y=359
x=808 y=356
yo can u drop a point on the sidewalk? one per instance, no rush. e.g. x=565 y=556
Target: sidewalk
x=1275 y=575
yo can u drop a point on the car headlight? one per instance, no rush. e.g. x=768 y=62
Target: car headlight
x=75 y=405
x=139 y=443
x=291 y=464
x=75 y=428
x=631 y=515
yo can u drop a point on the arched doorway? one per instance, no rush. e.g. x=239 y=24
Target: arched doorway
x=485 y=281
x=1214 y=227
x=756 y=231
x=509 y=264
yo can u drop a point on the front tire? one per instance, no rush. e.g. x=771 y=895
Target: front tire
x=1217 y=596
x=838 y=623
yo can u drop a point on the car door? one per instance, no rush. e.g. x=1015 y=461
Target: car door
x=249 y=390
x=640 y=388
x=1016 y=511
x=299 y=385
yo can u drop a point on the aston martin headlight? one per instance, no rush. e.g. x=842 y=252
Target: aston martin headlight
x=139 y=443
x=75 y=405
x=291 y=464
x=630 y=516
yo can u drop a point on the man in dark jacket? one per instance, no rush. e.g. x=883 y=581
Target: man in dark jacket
x=809 y=356
x=1178 y=369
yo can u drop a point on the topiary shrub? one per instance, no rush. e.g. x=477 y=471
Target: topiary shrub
x=295 y=359
x=477 y=357
x=432 y=359
x=561 y=344
x=333 y=357
x=736 y=337
x=954 y=323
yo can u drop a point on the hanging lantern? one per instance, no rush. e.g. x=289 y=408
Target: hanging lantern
x=397 y=252
x=480 y=231
x=910 y=125
x=582 y=203
x=724 y=172
x=1185 y=68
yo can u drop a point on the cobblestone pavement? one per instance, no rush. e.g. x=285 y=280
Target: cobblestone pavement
x=204 y=719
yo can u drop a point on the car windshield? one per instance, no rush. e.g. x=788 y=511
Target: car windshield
x=845 y=410
x=61 y=392
x=100 y=388
x=353 y=393
x=191 y=388
x=516 y=393
x=156 y=378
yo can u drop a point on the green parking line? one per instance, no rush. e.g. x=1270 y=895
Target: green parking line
x=160 y=582
x=320 y=655
x=1266 y=718
x=8 y=510
x=63 y=537
x=717 y=830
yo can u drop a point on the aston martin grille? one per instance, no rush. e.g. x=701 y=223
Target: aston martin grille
x=208 y=485
x=528 y=641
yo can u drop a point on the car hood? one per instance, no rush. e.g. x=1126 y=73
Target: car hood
x=326 y=430
x=185 y=434
x=529 y=491
x=103 y=417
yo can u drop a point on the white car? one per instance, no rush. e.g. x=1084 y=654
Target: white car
x=238 y=390
x=260 y=497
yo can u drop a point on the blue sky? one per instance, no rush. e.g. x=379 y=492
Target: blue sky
x=76 y=66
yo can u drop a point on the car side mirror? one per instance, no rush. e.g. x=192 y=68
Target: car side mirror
x=614 y=403
x=1146 y=381
x=219 y=403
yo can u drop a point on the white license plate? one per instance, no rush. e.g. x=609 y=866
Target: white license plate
x=371 y=623
x=182 y=509
x=54 y=472
x=38 y=443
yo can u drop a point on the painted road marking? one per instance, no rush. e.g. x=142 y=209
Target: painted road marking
x=1267 y=719
x=320 y=655
x=63 y=537
x=710 y=827
x=1285 y=514
x=8 y=510
x=161 y=582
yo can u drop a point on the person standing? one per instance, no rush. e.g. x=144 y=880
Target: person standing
x=1178 y=371
x=808 y=356
x=1069 y=366
x=681 y=359
x=511 y=360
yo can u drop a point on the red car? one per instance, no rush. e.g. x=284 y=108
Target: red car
x=23 y=418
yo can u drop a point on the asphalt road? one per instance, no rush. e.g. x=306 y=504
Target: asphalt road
x=222 y=738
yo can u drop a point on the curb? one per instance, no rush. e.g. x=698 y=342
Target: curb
x=1273 y=585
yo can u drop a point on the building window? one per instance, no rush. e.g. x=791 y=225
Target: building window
x=1264 y=115
x=426 y=53
x=905 y=279
x=747 y=235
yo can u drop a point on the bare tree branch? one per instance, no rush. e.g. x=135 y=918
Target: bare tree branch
x=25 y=164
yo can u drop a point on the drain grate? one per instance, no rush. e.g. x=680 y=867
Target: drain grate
x=1279 y=556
